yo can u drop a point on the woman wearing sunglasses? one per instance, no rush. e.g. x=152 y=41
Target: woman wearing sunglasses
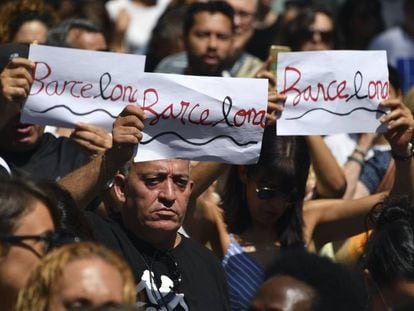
x=263 y=210
x=311 y=30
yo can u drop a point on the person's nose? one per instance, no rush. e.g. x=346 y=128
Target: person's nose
x=317 y=36
x=237 y=22
x=167 y=193
x=212 y=42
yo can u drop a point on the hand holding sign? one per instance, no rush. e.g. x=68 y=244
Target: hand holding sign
x=127 y=132
x=15 y=83
x=16 y=80
x=275 y=105
x=93 y=138
x=198 y=118
x=400 y=125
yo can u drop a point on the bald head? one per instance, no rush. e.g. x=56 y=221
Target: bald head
x=284 y=293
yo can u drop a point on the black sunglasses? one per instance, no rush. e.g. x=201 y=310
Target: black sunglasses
x=266 y=193
x=50 y=239
x=326 y=36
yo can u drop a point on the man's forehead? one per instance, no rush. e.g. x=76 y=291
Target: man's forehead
x=243 y=5
x=205 y=16
x=171 y=166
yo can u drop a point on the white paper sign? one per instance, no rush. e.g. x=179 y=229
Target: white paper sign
x=68 y=82
x=197 y=118
x=332 y=92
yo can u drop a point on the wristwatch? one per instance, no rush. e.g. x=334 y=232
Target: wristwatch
x=410 y=154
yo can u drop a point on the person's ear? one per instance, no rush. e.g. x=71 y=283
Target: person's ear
x=190 y=185
x=242 y=170
x=119 y=187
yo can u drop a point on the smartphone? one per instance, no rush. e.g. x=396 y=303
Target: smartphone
x=274 y=50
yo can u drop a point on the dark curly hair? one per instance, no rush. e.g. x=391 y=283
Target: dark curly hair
x=389 y=252
x=16 y=13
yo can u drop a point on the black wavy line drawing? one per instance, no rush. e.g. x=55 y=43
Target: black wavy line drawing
x=336 y=113
x=74 y=112
x=198 y=144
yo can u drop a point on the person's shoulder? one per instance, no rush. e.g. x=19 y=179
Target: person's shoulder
x=389 y=35
x=189 y=247
x=107 y=230
x=252 y=59
x=48 y=138
x=249 y=65
x=175 y=63
x=100 y=224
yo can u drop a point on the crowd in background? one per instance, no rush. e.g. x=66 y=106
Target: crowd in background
x=319 y=223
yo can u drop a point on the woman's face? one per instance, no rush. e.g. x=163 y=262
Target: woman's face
x=31 y=32
x=320 y=34
x=266 y=200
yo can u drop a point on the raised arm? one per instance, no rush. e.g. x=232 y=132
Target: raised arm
x=330 y=220
x=330 y=178
x=86 y=182
x=355 y=163
x=400 y=136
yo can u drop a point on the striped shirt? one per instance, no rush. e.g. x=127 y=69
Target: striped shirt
x=244 y=275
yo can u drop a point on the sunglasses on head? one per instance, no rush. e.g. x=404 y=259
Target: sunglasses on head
x=326 y=36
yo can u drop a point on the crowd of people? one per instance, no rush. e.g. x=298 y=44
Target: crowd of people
x=318 y=223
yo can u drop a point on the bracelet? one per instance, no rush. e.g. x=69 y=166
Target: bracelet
x=360 y=151
x=360 y=162
x=405 y=157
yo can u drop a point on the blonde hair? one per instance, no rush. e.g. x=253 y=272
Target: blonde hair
x=35 y=296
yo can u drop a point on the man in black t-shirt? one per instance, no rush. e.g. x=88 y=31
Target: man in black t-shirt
x=25 y=147
x=171 y=271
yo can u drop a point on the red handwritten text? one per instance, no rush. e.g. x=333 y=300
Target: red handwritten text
x=332 y=90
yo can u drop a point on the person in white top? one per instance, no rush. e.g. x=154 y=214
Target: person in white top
x=134 y=20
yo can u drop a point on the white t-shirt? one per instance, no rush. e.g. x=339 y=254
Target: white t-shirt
x=142 y=20
x=397 y=43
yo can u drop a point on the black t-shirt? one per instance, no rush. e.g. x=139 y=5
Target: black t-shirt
x=188 y=277
x=3 y=173
x=52 y=159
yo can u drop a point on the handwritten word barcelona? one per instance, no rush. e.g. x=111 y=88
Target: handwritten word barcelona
x=185 y=111
x=331 y=91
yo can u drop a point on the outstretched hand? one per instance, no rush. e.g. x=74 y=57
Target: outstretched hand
x=400 y=125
